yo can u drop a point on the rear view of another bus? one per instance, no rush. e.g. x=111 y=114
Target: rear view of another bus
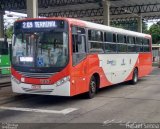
x=4 y=57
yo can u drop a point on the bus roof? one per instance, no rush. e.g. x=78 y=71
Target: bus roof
x=93 y=26
x=108 y=28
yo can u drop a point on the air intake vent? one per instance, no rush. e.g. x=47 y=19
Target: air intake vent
x=36 y=75
x=40 y=91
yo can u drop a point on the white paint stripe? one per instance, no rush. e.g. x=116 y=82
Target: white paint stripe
x=108 y=121
x=64 y=112
x=112 y=120
x=128 y=122
x=120 y=121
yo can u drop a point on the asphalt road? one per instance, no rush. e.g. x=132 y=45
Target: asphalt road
x=122 y=103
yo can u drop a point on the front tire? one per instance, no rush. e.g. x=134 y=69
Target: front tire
x=135 y=77
x=92 y=88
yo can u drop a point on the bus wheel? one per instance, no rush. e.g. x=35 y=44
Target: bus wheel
x=92 y=88
x=135 y=77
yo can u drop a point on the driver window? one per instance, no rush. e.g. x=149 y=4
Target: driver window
x=78 y=44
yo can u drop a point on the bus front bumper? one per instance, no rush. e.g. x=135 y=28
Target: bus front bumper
x=61 y=90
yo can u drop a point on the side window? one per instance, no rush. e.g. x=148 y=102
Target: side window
x=120 y=38
x=149 y=45
x=78 y=44
x=146 y=46
x=89 y=35
x=139 y=44
x=95 y=35
x=95 y=38
x=121 y=43
x=99 y=36
x=108 y=37
x=78 y=40
x=110 y=42
x=131 y=44
x=125 y=39
x=82 y=45
x=114 y=38
x=131 y=40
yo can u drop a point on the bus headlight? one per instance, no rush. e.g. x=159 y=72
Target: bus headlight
x=63 y=80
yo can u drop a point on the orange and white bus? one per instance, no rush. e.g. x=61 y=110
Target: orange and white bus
x=67 y=57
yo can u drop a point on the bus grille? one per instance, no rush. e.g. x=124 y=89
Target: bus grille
x=37 y=75
x=38 y=91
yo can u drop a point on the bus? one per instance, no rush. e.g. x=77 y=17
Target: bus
x=67 y=57
x=4 y=57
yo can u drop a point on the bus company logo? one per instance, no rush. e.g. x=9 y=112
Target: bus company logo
x=44 y=81
x=123 y=62
x=111 y=62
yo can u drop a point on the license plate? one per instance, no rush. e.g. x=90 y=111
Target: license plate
x=36 y=87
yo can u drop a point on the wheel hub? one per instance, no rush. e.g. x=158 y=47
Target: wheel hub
x=93 y=87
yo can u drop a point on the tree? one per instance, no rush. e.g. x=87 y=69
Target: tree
x=144 y=27
x=130 y=25
x=9 y=32
x=154 y=30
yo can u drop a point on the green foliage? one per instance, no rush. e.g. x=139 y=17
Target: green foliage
x=9 y=32
x=130 y=25
x=144 y=27
x=118 y=26
x=154 y=30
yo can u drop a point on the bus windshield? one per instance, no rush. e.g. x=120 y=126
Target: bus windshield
x=40 y=49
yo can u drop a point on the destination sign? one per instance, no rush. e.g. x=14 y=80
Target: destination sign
x=39 y=24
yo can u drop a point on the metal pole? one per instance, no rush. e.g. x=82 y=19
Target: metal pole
x=106 y=13
x=32 y=8
x=140 y=24
x=1 y=24
x=159 y=57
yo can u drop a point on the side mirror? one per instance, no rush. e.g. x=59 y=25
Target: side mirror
x=10 y=51
x=6 y=44
x=10 y=46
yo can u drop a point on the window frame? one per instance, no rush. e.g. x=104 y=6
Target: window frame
x=85 y=45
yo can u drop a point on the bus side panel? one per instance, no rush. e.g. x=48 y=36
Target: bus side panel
x=94 y=66
x=131 y=74
x=82 y=73
x=145 y=64
x=102 y=65
x=78 y=78
x=117 y=68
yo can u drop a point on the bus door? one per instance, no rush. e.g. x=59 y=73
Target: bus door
x=79 y=62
